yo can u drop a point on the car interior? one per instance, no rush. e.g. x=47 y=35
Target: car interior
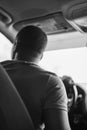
x=65 y=23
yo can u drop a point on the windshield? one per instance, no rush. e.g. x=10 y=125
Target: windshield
x=71 y=62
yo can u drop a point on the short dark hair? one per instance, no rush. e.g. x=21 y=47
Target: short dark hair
x=30 y=38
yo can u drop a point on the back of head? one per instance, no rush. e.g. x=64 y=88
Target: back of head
x=29 y=39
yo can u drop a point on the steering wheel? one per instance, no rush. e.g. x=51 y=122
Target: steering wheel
x=72 y=95
x=78 y=111
x=77 y=104
x=71 y=90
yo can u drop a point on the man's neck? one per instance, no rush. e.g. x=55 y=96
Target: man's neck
x=31 y=60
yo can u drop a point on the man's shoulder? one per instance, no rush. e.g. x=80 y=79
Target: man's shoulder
x=7 y=62
x=42 y=71
x=47 y=73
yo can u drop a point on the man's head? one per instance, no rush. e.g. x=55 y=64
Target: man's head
x=30 y=42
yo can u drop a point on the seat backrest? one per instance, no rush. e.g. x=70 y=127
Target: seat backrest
x=12 y=109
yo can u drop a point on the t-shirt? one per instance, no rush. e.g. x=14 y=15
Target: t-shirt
x=38 y=88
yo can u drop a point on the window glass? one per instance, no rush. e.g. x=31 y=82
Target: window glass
x=5 y=48
x=71 y=62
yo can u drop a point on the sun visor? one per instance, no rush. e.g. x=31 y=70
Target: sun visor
x=76 y=14
x=51 y=23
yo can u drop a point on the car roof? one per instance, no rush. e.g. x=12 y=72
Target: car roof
x=53 y=16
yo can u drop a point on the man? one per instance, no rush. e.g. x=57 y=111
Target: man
x=42 y=92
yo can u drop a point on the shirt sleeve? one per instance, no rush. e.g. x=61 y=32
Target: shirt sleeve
x=56 y=96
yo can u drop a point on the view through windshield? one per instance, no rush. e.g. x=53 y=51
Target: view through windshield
x=71 y=62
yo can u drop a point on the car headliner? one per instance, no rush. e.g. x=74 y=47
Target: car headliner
x=21 y=10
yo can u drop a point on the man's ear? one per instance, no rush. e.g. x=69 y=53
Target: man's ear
x=41 y=56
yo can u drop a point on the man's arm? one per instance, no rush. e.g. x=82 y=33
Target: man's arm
x=55 y=109
x=56 y=120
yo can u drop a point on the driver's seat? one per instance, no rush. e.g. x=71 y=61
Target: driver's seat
x=13 y=113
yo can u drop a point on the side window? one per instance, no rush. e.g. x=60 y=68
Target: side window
x=5 y=48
